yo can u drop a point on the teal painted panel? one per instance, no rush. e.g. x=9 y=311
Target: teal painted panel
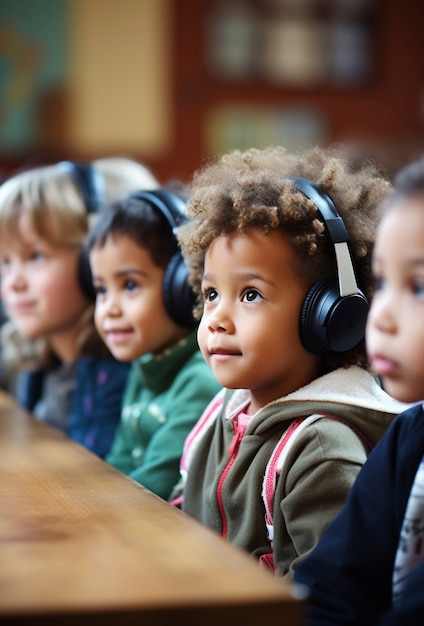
x=33 y=57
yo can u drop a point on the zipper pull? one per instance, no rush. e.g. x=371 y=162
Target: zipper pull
x=238 y=436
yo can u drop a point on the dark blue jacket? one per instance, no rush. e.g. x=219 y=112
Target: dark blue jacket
x=349 y=573
x=95 y=406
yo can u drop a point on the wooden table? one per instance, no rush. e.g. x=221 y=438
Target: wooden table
x=80 y=543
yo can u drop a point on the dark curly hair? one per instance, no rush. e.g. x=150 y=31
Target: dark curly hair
x=244 y=190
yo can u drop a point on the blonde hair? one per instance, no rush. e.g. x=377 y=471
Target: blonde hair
x=54 y=202
x=52 y=199
x=123 y=175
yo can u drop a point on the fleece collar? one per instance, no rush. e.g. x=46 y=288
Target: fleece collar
x=343 y=392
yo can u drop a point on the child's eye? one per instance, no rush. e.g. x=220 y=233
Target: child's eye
x=100 y=290
x=209 y=295
x=418 y=288
x=251 y=295
x=36 y=255
x=131 y=285
x=378 y=283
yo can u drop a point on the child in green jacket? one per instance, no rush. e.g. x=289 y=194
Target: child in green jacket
x=144 y=315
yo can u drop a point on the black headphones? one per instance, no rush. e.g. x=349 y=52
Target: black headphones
x=178 y=296
x=334 y=312
x=91 y=184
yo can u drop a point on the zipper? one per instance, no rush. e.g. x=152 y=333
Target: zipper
x=232 y=453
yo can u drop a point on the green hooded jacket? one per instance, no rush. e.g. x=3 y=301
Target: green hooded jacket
x=223 y=466
x=164 y=397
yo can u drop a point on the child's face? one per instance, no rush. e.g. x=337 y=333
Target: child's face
x=395 y=328
x=249 y=332
x=39 y=285
x=130 y=314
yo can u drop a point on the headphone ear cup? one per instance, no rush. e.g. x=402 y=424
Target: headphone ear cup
x=178 y=296
x=330 y=322
x=84 y=275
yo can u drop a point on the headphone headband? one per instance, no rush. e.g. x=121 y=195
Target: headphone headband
x=90 y=182
x=169 y=204
x=91 y=185
x=325 y=205
x=178 y=296
x=336 y=230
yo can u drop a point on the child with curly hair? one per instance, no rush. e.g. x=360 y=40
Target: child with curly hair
x=282 y=326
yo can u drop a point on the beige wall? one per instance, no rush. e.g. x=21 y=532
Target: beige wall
x=119 y=75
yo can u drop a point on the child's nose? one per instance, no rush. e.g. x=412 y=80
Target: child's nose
x=15 y=277
x=220 y=320
x=111 y=305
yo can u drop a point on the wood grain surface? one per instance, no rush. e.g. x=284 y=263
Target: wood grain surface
x=81 y=543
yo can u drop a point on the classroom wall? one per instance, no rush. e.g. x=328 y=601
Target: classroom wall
x=119 y=75
x=81 y=79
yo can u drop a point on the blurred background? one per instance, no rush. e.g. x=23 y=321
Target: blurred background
x=174 y=82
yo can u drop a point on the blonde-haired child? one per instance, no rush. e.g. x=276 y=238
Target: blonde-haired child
x=64 y=373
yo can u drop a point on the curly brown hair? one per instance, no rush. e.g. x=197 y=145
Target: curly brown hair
x=244 y=190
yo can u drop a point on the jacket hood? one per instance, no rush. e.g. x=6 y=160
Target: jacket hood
x=351 y=394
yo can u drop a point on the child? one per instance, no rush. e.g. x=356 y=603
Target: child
x=369 y=566
x=144 y=313
x=279 y=330
x=59 y=367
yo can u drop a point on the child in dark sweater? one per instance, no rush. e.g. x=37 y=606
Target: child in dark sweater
x=368 y=568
